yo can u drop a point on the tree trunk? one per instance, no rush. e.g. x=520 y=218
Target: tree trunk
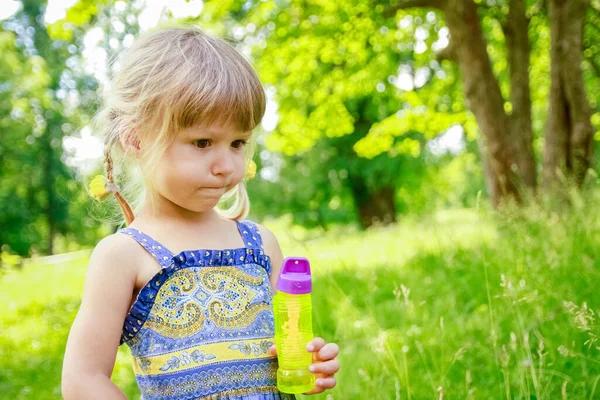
x=483 y=97
x=46 y=49
x=568 y=146
x=518 y=49
x=506 y=149
x=48 y=177
x=373 y=207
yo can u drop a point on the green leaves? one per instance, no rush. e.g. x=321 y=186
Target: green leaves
x=298 y=133
x=40 y=198
x=382 y=135
x=77 y=16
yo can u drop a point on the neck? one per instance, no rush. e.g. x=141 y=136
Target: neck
x=167 y=212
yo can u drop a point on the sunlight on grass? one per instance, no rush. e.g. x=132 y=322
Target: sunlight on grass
x=394 y=245
x=459 y=305
x=41 y=303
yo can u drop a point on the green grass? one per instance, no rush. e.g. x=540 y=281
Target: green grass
x=39 y=303
x=460 y=305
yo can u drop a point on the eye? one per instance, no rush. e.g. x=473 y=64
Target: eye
x=201 y=143
x=238 y=144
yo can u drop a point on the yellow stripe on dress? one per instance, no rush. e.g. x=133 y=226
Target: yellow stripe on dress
x=204 y=354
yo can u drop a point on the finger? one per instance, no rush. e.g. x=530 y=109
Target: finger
x=326 y=368
x=273 y=350
x=328 y=352
x=315 y=344
x=326 y=383
x=322 y=385
x=316 y=390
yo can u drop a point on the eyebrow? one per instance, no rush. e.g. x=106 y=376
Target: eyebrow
x=246 y=135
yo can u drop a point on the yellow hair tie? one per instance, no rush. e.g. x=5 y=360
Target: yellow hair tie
x=100 y=187
x=251 y=170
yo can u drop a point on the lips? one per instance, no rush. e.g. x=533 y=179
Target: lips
x=214 y=190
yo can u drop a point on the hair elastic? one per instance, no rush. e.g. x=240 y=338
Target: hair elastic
x=100 y=187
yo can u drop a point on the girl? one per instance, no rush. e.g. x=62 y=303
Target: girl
x=188 y=287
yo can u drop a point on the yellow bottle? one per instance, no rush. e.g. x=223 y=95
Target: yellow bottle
x=292 y=307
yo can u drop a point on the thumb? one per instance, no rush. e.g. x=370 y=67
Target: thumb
x=273 y=350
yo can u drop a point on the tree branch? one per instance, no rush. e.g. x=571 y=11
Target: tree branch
x=404 y=4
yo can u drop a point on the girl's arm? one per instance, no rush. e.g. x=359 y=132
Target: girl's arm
x=94 y=338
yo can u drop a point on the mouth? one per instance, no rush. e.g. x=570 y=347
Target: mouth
x=214 y=189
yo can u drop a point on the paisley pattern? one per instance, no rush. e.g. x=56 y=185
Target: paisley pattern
x=201 y=327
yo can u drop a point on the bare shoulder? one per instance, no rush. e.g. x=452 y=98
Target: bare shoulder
x=115 y=258
x=273 y=250
x=116 y=247
x=269 y=239
x=112 y=273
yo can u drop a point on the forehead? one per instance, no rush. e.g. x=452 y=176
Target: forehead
x=216 y=130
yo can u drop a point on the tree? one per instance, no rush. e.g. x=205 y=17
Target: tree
x=333 y=79
x=45 y=91
x=569 y=131
x=311 y=51
x=18 y=208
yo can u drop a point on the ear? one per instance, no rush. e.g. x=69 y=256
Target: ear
x=130 y=142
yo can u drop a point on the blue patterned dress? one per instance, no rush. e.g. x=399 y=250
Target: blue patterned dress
x=201 y=327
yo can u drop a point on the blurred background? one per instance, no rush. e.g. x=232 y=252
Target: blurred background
x=434 y=159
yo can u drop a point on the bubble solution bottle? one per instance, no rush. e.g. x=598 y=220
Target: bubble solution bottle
x=292 y=307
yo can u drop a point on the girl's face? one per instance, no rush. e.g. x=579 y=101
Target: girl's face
x=201 y=165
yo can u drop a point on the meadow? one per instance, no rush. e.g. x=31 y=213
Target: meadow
x=461 y=304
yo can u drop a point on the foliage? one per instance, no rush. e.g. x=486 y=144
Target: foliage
x=45 y=93
x=322 y=60
x=359 y=98
x=339 y=74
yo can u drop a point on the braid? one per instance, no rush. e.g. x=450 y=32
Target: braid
x=125 y=208
x=108 y=164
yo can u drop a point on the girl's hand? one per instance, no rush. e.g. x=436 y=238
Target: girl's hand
x=324 y=365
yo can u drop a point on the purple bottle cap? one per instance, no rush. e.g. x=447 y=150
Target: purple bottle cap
x=294 y=277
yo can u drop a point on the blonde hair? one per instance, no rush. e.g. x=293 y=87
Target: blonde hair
x=170 y=79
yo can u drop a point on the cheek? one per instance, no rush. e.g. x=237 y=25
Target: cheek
x=240 y=166
x=176 y=168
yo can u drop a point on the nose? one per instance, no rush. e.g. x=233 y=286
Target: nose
x=223 y=163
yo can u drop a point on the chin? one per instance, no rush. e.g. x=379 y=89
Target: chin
x=197 y=206
x=205 y=206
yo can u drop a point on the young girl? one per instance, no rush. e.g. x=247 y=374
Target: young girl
x=188 y=287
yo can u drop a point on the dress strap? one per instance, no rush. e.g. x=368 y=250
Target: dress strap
x=250 y=234
x=160 y=252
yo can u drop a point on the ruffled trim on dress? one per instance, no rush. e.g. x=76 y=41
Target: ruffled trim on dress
x=140 y=309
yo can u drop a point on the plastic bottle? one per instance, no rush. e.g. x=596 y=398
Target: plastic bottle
x=292 y=307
